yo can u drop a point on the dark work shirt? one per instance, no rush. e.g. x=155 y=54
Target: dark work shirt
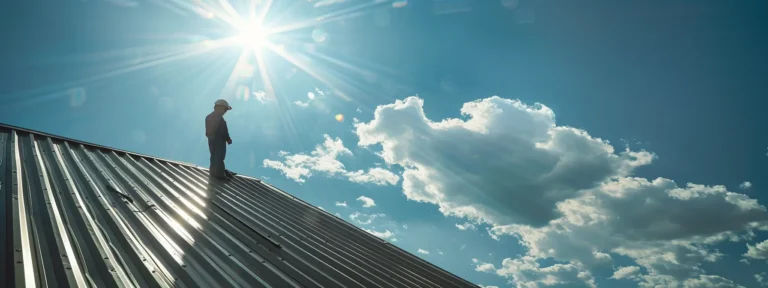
x=216 y=127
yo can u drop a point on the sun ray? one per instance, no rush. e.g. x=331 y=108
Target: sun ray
x=154 y=60
x=328 y=18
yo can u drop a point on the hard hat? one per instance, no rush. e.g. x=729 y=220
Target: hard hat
x=224 y=103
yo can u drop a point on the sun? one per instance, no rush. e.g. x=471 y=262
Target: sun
x=252 y=35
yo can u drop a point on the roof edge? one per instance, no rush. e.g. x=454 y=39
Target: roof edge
x=12 y=127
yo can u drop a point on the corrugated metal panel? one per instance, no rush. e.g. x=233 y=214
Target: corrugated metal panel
x=77 y=214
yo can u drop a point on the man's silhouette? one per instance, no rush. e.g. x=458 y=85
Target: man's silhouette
x=218 y=138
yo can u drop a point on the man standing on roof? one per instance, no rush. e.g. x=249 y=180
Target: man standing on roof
x=218 y=138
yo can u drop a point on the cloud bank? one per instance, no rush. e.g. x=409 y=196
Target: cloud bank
x=565 y=194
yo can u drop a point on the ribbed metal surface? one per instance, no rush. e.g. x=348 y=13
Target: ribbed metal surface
x=76 y=214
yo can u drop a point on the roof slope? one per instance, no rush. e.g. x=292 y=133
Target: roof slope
x=77 y=214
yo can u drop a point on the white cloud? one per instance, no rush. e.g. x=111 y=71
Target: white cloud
x=299 y=167
x=301 y=104
x=762 y=279
x=319 y=92
x=405 y=226
x=513 y=158
x=710 y=281
x=364 y=219
x=361 y=111
x=422 y=251
x=260 y=96
x=341 y=204
x=483 y=286
x=439 y=252
x=466 y=226
x=311 y=95
x=566 y=195
x=483 y=267
x=758 y=251
x=367 y=202
x=629 y=272
x=745 y=185
x=745 y=261
x=377 y=176
x=526 y=272
x=386 y=235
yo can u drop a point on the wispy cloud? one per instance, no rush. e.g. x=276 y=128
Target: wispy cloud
x=341 y=204
x=386 y=235
x=260 y=96
x=301 y=104
x=422 y=251
x=745 y=185
x=367 y=202
x=365 y=219
x=466 y=226
x=328 y=3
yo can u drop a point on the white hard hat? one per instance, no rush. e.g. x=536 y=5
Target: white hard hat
x=224 y=103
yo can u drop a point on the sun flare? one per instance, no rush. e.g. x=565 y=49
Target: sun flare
x=252 y=35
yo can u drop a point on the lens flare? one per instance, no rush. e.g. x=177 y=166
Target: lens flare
x=340 y=117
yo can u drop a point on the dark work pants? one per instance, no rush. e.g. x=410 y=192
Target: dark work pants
x=218 y=150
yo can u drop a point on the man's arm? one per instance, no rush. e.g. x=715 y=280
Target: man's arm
x=225 y=132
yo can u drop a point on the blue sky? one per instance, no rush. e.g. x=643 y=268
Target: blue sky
x=575 y=175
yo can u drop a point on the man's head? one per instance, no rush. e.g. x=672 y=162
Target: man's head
x=221 y=106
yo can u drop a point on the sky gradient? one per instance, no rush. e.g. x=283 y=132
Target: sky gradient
x=513 y=143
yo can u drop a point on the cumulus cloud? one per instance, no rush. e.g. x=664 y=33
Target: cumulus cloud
x=422 y=251
x=386 y=235
x=466 y=226
x=341 y=204
x=508 y=163
x=629 y=272
x=367 y=202
x=483 y=267
x=565 y=194
x=762 y=279
x=758 y=251
x=527 y=272
x=745 y=185
x=323 y=160
x=710 y=281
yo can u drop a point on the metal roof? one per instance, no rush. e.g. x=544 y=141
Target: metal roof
x=78 y=214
